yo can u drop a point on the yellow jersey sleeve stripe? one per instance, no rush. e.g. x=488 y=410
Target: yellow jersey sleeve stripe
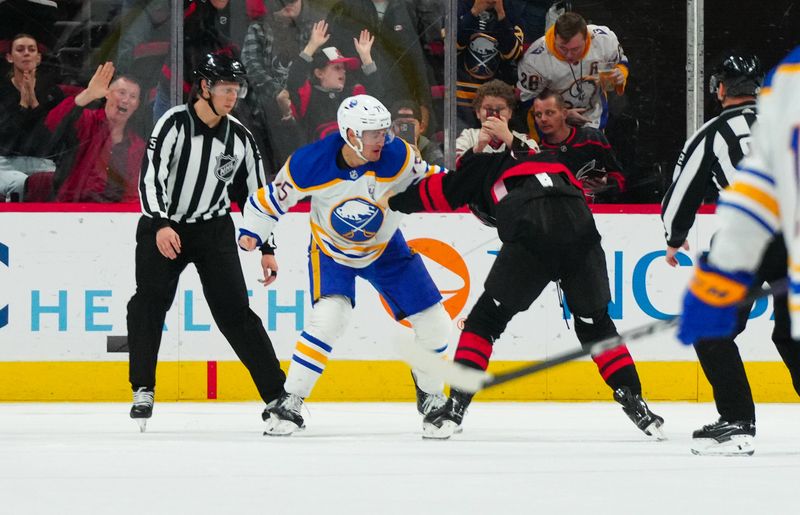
x=789 y=68
x=758 y=195
x=262 y=200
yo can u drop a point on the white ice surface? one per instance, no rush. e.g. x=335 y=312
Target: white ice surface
x=211 y=458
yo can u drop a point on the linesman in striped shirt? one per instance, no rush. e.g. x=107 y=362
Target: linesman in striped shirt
x=198 y=158
x=757 y=216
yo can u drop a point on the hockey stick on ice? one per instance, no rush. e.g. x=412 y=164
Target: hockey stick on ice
x=472 y=380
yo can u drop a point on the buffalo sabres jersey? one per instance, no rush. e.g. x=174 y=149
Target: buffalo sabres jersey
x=542 y=67
x=346 y=222
x=763 y=198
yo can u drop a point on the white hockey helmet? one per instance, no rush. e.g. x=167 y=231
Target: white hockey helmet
x=362 y=113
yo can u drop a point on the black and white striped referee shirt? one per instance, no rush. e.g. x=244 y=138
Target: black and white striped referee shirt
x=189 y=168
x=705 y=167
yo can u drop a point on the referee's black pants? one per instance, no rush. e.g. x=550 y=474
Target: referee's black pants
x=211 y=246
x=720 y=358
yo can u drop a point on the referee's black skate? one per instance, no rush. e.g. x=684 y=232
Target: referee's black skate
x=442 y=423
x=637 y=410
x=283 y=418
x=723 y=438
x=142 y=408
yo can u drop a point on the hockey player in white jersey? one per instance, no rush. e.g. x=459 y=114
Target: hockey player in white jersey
x=351 y=236
x=761 y=203
x=569 y=59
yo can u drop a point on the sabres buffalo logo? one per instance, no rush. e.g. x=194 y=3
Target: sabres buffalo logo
x=226 y=165
x=356 y=219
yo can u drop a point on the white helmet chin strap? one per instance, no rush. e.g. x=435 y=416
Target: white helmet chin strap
x=358 y=149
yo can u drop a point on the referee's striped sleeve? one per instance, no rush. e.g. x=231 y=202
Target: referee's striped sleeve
x=155 y=167
x=256 y=173
x=691 y=178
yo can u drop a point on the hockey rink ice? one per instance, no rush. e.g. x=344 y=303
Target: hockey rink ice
x=354 y=458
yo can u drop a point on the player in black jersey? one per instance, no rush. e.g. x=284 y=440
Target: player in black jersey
x=548 y=234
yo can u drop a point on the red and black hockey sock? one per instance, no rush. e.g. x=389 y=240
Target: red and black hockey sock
x=617 y=369
x=615 y=365
x=473 y=351
x=486 y=321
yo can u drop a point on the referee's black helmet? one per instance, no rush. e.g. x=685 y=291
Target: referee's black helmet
x=740 y=72
x=220 y=67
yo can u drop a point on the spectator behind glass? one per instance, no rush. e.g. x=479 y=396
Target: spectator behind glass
x=278 y=33
x=531 y=15
x=316 y=100
x=397 y=51
x=272 y=44
x=25 y=99
x=104 y=156
x=569 y=60
x=489 y=43
x=406 y=121
x=494 y=105
x=585 y=150
x=206 y=29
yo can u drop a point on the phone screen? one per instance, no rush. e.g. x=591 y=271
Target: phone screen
x=406 y=131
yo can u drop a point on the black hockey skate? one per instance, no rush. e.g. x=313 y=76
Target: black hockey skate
x=283 y=418
x=638 y=411
x=442 y=423
x=723 y=438
x=427 y=402
x=142 y=408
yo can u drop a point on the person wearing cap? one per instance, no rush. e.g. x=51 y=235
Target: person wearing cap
x=198 y=159
x=318 y=81
x=406 y=124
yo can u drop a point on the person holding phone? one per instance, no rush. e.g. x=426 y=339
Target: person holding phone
x=407 y=123
x=494 y=104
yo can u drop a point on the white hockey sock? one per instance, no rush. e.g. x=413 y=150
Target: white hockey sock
x=326 y=325
x=308 y=362
x=431 y=330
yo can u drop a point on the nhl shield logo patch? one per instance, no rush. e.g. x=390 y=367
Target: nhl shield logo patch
x=226 y=165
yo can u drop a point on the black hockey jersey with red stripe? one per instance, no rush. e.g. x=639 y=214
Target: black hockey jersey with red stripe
x=531 y=198
x=587 y=153
x=483 y=180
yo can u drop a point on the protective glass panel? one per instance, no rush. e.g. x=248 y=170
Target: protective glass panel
x=502 y=44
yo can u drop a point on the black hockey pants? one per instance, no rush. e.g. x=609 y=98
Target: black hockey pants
x=211 y=246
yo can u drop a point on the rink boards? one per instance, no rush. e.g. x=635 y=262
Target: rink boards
x=65 y=280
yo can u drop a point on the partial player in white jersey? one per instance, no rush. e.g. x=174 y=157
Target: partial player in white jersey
x=351 y=236
x=760 y=205
x=581 y=62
